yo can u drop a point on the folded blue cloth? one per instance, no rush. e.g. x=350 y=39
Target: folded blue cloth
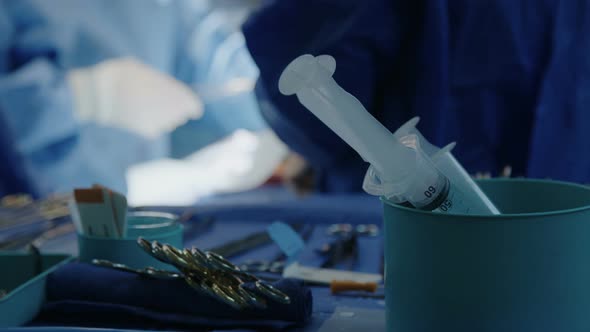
x=86 y=295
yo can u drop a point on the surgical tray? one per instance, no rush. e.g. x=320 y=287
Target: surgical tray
x=22 y=284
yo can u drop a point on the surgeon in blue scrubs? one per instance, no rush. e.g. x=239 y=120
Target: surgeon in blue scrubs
x=44 y=145
x=508 y=80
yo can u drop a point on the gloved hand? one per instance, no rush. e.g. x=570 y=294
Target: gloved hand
x=128 y=94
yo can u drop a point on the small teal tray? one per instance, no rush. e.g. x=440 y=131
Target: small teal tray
x=25 y=288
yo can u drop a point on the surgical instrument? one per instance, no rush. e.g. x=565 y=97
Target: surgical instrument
x=238 y=246
x=257 y=266
x=361 y=229
x=147 y=271
x=20 y=210
x=277 y=264
x=208 y=273
x=249 y=242
x=400 y=165
x=443 y=160
x=344 y=247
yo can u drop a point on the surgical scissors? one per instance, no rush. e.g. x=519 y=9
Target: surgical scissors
x=208 y=273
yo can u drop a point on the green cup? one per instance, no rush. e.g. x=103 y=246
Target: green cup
x=527 y=269
x=162 y=227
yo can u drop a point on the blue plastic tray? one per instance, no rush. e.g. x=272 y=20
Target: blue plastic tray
x=22 y=276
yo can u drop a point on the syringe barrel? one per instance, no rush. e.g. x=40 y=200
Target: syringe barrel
x=427 y=184
x=444 y=161
x=462 y=181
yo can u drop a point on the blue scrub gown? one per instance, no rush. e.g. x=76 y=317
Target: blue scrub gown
x=508 y=80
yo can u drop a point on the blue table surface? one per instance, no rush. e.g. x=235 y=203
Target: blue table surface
x=237 y=215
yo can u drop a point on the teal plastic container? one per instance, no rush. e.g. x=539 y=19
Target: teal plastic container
x=22 y=277
x=525 y=270
x=162 y=227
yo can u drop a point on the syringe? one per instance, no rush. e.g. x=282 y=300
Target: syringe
x=444 y=161
x=404 y=169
